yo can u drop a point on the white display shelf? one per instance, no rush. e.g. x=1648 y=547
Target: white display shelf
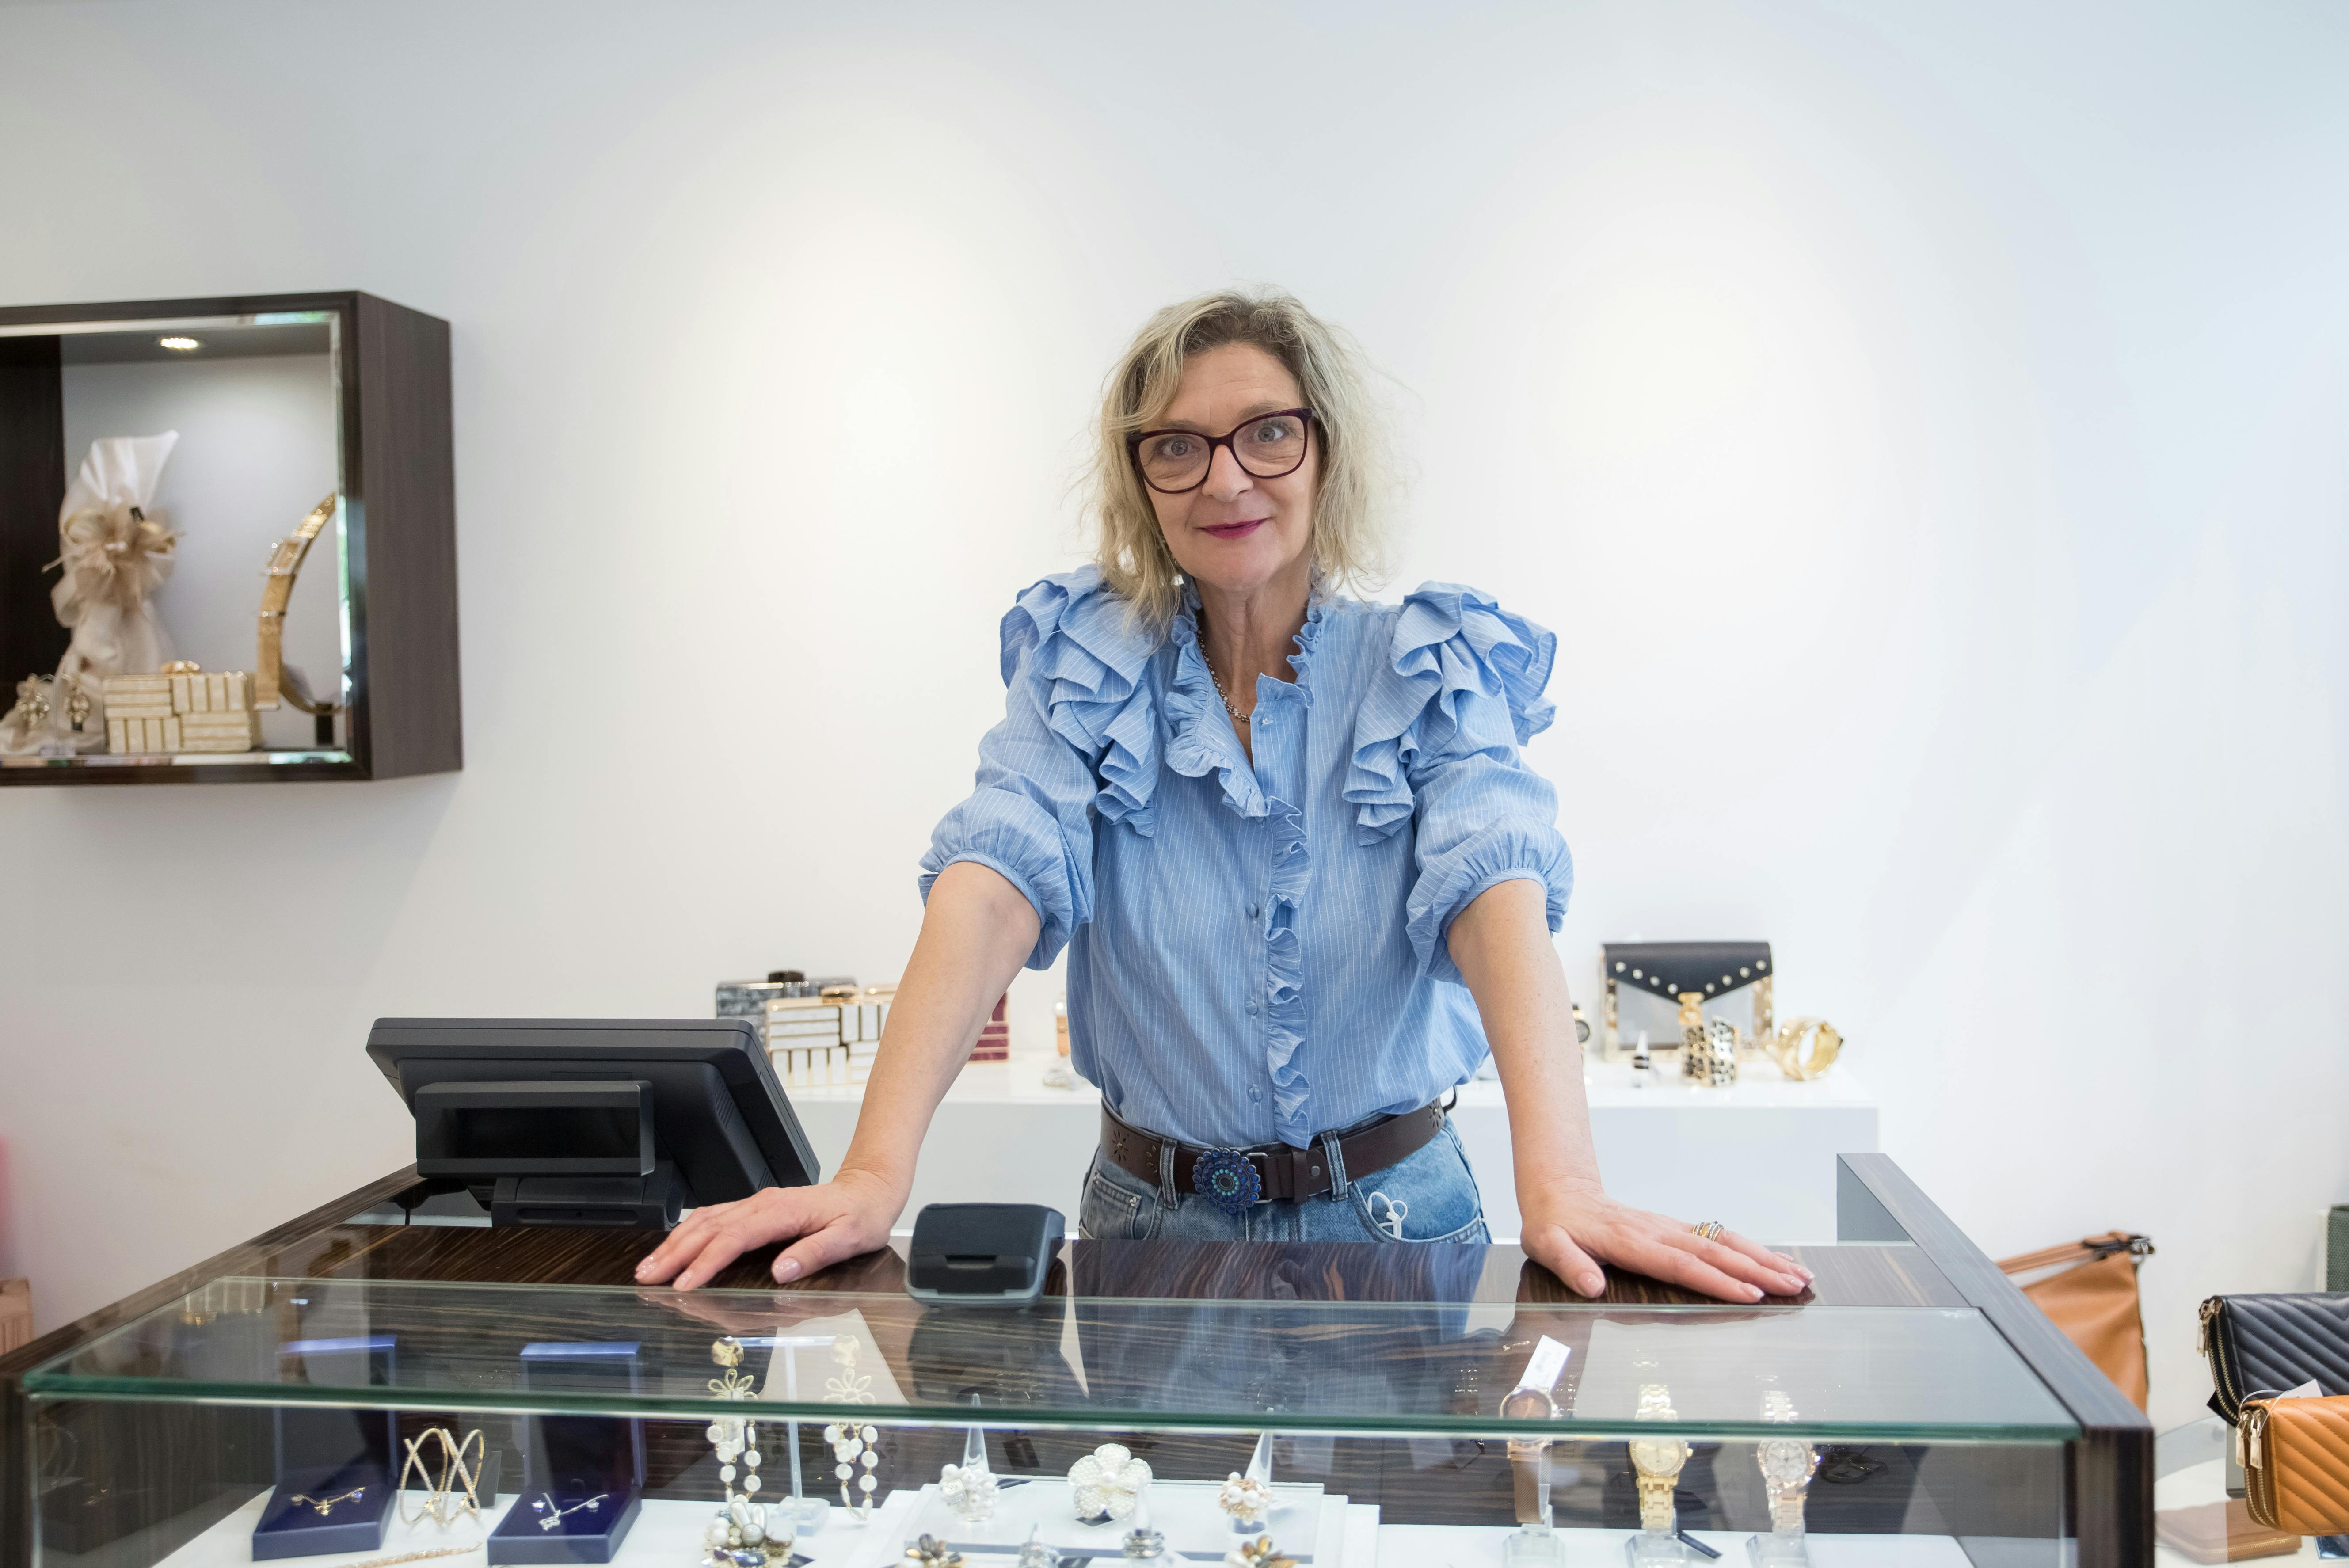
x=1469 y=1546
x=1759 y=1156
x=668 y=1534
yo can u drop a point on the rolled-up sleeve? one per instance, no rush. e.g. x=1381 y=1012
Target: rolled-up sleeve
x=1481 y=817
x=1030 y=819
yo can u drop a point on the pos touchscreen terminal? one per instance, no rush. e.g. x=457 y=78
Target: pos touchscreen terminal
x=611 y=1122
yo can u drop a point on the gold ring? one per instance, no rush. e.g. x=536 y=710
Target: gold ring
x=1707 y=1230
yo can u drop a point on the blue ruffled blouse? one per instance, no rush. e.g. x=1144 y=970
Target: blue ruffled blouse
x=1256 y=950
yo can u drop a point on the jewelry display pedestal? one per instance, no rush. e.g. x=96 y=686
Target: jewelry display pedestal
x=1533 y=1546
x=1760 y=1155
x=1655 y=1549
x=1777 y=1551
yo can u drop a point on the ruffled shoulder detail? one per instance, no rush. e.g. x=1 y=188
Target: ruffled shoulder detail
x=1452 y=646
x=1074 y=637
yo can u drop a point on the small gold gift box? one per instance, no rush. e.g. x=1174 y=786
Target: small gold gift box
x=215 y=710
x=183 y=708
x=138 y=714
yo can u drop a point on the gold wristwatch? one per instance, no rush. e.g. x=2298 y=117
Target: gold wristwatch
x=1786 y=1467
x=1658 y=1460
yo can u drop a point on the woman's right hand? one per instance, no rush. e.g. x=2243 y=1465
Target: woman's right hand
x=843 y=1217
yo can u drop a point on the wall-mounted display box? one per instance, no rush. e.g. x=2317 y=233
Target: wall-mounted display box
x=276 y=401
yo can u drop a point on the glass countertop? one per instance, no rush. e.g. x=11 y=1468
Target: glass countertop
x=1937 y=1374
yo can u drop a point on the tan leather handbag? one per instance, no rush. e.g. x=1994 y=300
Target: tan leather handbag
x=2295 y=1456
x=2093 y=1299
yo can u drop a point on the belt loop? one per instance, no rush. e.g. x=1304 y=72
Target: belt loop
x=1168 y=1197
x=1334 y=1150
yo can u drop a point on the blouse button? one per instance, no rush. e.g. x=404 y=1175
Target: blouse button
x=1252 y=911
x=1251 y=1007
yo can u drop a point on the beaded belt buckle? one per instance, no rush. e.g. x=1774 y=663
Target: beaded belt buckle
x=1228 y=1180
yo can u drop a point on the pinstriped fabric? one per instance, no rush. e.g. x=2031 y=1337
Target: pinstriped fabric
x=1256 y=948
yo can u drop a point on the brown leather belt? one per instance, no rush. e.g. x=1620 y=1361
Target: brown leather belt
x=1287 y=1174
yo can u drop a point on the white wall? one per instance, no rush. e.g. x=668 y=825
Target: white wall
x=1923 y=424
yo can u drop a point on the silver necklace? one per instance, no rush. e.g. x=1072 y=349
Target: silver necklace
x=593 y=1505
x=1217 y=682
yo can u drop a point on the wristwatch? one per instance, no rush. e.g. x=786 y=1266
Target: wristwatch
x=1658 y=1460
x=1786 y=1467
x=1528 y=1456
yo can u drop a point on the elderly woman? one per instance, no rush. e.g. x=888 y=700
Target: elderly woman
x=1304 y=880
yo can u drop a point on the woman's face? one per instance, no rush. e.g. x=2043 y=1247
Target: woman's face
x=1236 y=531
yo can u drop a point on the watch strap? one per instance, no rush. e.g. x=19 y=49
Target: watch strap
x=1656 y=1510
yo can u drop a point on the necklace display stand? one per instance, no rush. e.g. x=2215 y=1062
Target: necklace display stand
x=334 y=1468
x=583 y=1476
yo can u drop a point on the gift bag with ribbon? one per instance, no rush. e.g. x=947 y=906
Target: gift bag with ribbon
x=115 y=553
x=114 y=557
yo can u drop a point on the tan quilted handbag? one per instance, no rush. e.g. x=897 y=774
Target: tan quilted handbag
x=2296 y=1463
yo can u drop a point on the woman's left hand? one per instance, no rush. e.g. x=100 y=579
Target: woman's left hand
x=1572 y=1227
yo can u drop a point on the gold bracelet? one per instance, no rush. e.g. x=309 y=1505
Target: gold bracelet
x=1787 y=1050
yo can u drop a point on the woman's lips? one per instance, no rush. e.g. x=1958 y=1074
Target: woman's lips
x=1235 y=530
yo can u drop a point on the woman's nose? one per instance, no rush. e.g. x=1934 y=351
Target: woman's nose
x=1227 y=480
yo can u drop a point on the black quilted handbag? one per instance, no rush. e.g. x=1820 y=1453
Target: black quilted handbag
x=2273 y=1343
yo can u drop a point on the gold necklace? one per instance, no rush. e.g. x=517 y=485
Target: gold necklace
x=1217 y=682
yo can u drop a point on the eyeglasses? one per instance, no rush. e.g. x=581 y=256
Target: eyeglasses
x=1267 y=446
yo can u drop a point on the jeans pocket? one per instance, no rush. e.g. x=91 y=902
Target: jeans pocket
x=1113 y=1213
x=1431 y=1196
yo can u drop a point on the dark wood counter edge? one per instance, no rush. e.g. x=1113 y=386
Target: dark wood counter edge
x=17 y=1469
x=2112 y=1478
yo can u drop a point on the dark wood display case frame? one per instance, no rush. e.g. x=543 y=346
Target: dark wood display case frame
x=400 y=509
x=1921 y=1259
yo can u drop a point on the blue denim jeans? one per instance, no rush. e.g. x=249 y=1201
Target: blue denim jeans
x=1430 y=1196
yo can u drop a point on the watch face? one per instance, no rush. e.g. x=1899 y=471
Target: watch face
x=1786 y=1462
x=1659 y=1455
x=1529 y=1405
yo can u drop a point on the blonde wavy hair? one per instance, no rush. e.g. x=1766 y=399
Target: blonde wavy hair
x=1351 y=501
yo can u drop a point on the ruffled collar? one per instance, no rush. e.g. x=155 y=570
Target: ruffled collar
x=1200 y=736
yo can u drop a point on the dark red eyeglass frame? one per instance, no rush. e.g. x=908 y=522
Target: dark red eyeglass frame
x=1134 y=448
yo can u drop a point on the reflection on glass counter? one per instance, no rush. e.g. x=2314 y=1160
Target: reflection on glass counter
x=1925 y=1416
x=1248 y=1404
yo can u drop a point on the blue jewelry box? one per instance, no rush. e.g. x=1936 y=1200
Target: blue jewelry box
x=333 y=1468
x=583 y=1476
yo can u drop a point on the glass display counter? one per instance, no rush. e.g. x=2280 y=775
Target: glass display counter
x=1350 y=1406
